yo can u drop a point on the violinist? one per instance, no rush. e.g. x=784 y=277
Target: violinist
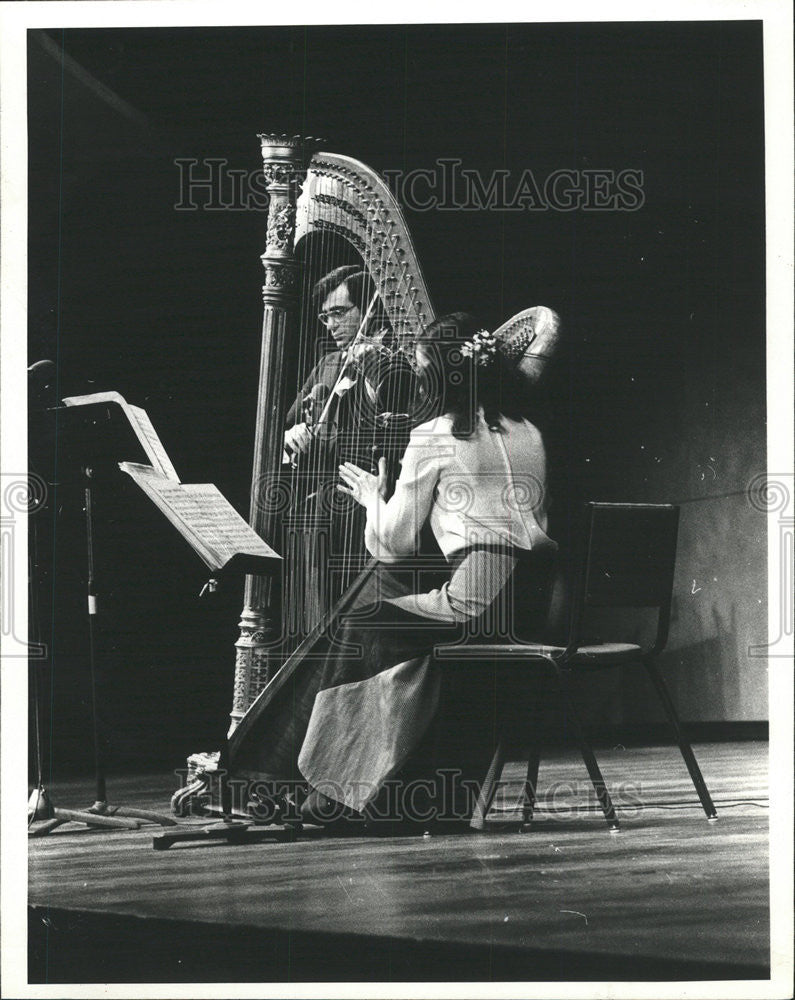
x=353 y=407
x=357 y=382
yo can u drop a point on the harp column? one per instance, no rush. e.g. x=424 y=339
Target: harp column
x=284 y=164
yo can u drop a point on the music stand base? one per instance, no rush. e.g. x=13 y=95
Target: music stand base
x=99 y=815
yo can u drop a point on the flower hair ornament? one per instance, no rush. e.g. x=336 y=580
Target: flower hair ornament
x=482 y=347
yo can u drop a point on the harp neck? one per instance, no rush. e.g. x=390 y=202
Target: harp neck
x=343 y=197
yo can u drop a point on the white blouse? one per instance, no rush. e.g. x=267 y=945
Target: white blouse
x=489 y=489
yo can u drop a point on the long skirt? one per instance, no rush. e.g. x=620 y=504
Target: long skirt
x=372 y=704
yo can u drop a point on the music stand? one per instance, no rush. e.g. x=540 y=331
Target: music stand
x=92 y=438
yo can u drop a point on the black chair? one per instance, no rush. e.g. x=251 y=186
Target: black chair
x=628 y=562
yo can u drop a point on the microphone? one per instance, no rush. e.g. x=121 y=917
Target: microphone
x=319 y=393
x=41 y=419
x=314 y=401
x=42 y=370
x=41 y=385
x=311 y=408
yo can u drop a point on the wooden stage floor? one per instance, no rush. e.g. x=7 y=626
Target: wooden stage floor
x=671 y=897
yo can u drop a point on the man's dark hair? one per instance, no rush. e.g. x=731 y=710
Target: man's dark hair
x=357 y=281
x=361 y=289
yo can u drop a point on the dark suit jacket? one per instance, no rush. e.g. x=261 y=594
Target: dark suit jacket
x=326 y=372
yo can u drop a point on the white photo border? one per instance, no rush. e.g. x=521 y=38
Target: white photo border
x=15 y=20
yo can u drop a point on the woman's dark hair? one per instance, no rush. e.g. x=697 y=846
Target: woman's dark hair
x=461 y=385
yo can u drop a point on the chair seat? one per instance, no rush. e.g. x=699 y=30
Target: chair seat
x=601 y=654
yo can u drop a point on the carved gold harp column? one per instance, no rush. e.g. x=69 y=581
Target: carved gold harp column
x=284 y=165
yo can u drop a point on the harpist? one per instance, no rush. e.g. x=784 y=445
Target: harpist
x=373 y=708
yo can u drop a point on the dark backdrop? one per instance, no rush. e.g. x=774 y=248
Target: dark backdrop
x=660 y=394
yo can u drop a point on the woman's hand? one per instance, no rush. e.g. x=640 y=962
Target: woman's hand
x=363 y=486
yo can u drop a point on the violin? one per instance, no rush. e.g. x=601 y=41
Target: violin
x=366 y=413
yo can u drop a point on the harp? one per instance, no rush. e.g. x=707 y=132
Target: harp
x=325 y=210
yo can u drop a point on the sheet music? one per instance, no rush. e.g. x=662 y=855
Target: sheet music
x=155 y=444
x=215 y=519
x=140 y=423
x=203 y=516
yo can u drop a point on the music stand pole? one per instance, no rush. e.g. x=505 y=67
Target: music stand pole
x=101 y=813
x=100 y=803
x=101 y=806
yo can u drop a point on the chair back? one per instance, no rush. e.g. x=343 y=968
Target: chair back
x=630 y=552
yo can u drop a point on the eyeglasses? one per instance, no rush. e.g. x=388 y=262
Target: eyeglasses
x=336 y=312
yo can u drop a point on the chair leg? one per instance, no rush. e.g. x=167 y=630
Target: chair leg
x=530 y=787
x=684 y=744
x=489 y=787
x=588 y=757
